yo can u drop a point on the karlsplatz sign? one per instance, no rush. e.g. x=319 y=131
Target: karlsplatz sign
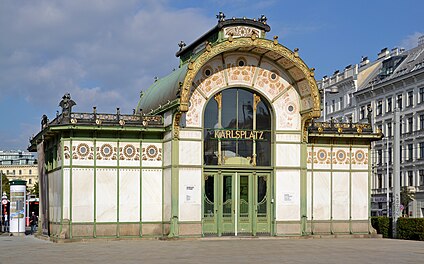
x=238 y=134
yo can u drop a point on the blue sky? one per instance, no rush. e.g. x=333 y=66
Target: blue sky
x=104 y=52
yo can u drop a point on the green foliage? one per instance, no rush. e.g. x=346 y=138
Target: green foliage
x=5 y=185
x=406 y=197
x=35 y=190
x=383 y=225
x=411 y=228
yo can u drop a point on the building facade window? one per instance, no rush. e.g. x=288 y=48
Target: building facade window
x=362 y=112
x=421 y=172
x=410 y=178
x=233 y=112
x=30 y=172
x=30 y=181
x=389 y=129
x=390 y=180
x=421 y=150
x=379 y=107
x=20 y=172
x=380 y=181
x=333 y=104
x=422 y=122
x=410 y=124
x=399 y=101
x=390 y=155
x=341 y=103
x=410 y=152
x=421 y=95
x=389 y=105
x=380 y=157
x=410 y=98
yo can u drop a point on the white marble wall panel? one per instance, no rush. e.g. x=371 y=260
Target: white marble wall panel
x=287 y=195
x=340 y=199
x=66 y=192
x=129 y=195
x=341 y=158
x=288 y=155
x=151 y=195
x=322 y=158
x=167 y=118
x=190 y=185
x=167 y=194
x=151 y=154
x=167 y=153
x=129 y=154
x=321 y=196
x=66 y=152
x=359 y=158
x=190 y=152
x=82 y=153
x=360 y=196
x=106 y=153
x=190 y=134
x=55 y=196
x=82 y=195
x=288 y=137
x=287 y=109
x=106 y=195
x=167 y=136
x=309 y=195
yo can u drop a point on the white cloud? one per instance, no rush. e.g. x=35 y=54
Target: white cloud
x=103 y=52
x=411 y=41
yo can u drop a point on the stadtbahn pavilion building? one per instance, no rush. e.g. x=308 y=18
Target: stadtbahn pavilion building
x=225 y=145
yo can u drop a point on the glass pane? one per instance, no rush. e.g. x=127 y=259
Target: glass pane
x=245 y=109
x=229 y=108
x=263 y=116
x=244 y=196
x=262 y=204
x=211 y=144
x=263 y=150
x=227 y=186
x=209 y=197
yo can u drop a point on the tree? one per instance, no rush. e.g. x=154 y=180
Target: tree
x=35 y=190
x=5 y=185
x=406 y=197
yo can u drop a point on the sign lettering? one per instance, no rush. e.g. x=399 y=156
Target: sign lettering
x=238 y=134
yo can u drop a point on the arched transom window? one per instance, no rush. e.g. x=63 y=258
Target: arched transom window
x=237 y=129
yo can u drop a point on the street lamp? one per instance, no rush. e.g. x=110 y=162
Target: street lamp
x=334 y=89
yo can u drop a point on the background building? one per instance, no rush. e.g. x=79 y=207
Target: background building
x=19 y=165
x=394 y=80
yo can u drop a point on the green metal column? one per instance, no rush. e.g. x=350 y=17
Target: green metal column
x=303 y=186
x=173 y=232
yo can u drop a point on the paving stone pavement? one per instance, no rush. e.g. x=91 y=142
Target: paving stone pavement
x=28 y=249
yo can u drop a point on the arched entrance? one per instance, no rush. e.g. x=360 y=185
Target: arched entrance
x=237 y=164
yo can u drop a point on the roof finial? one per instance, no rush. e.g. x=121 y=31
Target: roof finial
x=220 y=16
x=263 y=19
x=181 y=44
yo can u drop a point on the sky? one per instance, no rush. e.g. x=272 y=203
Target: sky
x=105 y=52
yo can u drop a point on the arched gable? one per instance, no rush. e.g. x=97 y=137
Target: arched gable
x=303 y=77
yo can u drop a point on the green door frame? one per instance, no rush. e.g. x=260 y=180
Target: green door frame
x=235 y=208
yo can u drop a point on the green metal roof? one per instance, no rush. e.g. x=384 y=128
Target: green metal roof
x=162 y=92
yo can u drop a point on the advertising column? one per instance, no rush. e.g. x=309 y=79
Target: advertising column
x=17 y=206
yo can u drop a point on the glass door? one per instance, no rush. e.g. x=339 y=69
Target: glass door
x=226 y=209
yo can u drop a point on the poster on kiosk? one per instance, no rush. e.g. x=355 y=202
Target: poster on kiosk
x=17 y=206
